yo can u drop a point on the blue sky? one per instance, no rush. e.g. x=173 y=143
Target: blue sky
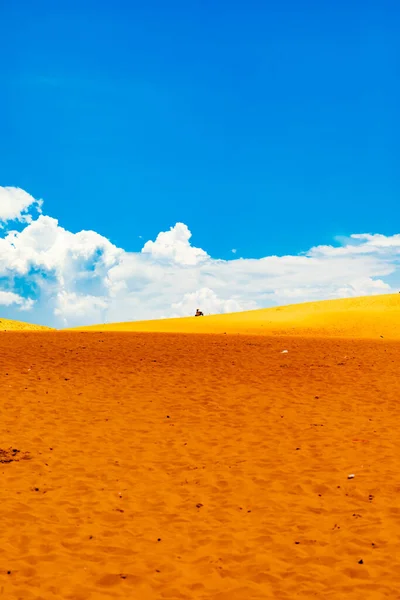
x=163 y=135
x=264 y=126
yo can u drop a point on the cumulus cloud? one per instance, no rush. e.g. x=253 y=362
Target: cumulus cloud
x=15 y=204
x=174 y=245
x=210 y=303
x=10 y=298
x=73 y=308
x=68 y=279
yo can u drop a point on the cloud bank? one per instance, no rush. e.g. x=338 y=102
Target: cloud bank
x=59 y=278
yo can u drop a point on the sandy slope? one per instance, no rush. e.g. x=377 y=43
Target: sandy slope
x=365 y=317
x=206 y=467
x=8 y=325
x=157 y=466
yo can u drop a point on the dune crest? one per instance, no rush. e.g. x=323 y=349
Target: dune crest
x=361 y=317
x=9 y=325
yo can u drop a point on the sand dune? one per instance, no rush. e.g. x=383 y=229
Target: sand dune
x=8 y=325
x=365 y=317
x=158 y=466
x=207 y=467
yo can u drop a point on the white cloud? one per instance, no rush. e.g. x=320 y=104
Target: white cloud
x=15 y=204
x=44 y=245
x=209 y=303
x=73 y=308
x=10 y=298
x=233 y=250
x=76 y=278
x=174 y=245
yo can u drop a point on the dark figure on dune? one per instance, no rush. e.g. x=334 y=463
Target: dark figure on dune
x=199 y=313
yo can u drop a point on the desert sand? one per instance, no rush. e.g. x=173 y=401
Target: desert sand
x=9 y=325
x=364 y=317
x=179 y=466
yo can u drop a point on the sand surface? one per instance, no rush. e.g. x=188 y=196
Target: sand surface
x=9 y=325
x=151 y=466
x=368 y=317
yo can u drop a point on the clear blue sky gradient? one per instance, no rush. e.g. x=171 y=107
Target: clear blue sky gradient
x=264 y=126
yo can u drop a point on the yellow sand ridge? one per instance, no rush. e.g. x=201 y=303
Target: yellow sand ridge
x=9 y=325
x=361 y=317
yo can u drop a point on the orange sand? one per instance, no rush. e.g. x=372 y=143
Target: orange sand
x=365 y=317
x=161 y=466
